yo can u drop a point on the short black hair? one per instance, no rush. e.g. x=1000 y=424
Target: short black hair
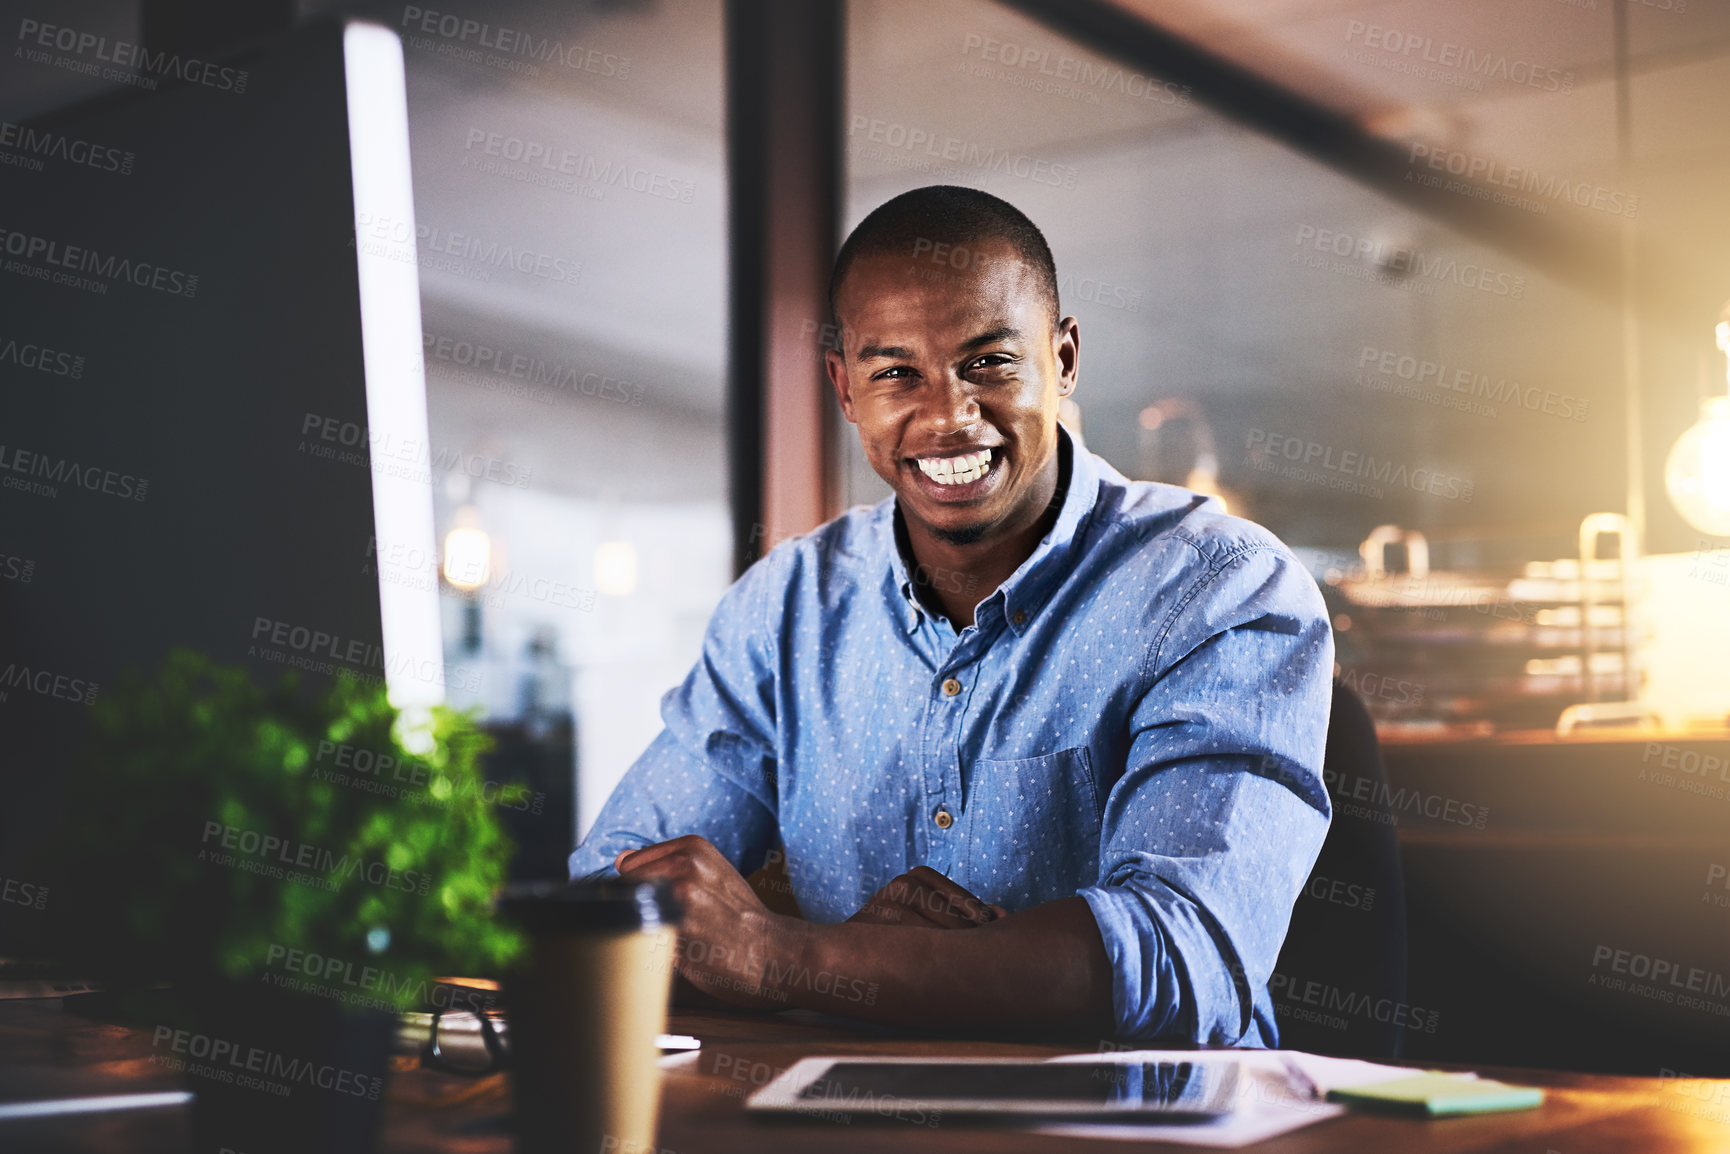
x=946 y=214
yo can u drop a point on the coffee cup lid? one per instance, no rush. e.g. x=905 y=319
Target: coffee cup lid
x=614 y=904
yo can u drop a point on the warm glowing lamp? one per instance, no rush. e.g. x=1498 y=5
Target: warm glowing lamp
x=616 y=568
x=468 y=558
x=1697 y=473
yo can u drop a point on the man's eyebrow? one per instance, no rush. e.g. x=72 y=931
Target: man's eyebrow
x=900 y=352
x=993 y=336
x=893 y=352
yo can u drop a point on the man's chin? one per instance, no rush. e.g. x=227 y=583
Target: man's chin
x=960 y=534
x=951 y=524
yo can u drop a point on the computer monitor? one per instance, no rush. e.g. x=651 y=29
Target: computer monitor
x=212 y=408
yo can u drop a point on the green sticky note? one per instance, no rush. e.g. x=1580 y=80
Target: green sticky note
x=1439 y=1095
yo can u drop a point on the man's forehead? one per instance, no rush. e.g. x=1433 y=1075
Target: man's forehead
x=884 y=297
x=928 y=262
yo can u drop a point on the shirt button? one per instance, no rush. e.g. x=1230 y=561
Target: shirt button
x=943 y=818
x=950 y=689
x=1019 y=617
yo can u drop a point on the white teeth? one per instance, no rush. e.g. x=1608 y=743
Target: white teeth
x=962 y=470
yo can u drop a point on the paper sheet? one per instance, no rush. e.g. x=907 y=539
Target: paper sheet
x=1267 y=1103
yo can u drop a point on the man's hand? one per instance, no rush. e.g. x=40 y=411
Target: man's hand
x=728 y=938
x=924 y=897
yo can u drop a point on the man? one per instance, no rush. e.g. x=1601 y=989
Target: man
x=1078 y=719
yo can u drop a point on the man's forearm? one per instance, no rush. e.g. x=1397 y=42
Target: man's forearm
x=1042 y=969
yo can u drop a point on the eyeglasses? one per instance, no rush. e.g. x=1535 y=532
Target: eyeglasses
x=463 y=1059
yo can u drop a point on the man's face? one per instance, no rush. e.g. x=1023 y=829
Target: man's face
x=953 y=377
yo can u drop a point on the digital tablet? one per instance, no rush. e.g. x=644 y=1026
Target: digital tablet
x=904 y=1088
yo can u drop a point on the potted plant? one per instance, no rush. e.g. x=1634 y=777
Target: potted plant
x=297 y=861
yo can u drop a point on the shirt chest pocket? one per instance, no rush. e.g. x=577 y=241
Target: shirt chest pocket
x=1032 y=828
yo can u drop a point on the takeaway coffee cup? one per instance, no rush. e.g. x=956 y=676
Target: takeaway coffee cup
x=585 y=1005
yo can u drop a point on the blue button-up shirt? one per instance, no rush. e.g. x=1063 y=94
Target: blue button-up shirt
x=1137 y=715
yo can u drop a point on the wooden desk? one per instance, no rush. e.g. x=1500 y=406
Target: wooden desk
x=45 y=1053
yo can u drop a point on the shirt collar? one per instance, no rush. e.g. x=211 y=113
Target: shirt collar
x=1024 y=591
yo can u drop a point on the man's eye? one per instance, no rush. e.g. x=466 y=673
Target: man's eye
x=993 y=361
x=899 y=372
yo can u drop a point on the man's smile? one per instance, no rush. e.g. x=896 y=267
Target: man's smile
x=959 y=476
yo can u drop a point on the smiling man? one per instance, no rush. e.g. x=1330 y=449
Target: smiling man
x=1042 y=744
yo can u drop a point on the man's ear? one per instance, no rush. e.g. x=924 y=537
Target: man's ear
x=836 y=366
x=1067 y=350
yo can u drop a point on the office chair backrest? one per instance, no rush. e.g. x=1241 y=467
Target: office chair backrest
x=1340 y=984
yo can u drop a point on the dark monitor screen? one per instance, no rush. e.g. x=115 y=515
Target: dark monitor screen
x=211 y=408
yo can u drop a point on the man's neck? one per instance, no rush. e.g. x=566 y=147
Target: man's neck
x=953 y=579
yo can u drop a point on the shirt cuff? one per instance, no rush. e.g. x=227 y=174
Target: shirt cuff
x=586 y=866
x=1153 y=993
x=1140 y=964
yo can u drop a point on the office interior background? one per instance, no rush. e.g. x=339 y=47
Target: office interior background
x=1426 y=288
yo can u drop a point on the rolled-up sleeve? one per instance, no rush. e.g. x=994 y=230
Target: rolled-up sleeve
x=712 y=768
x=1209 y=834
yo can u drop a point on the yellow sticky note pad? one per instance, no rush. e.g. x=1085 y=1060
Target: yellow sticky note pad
x=1440 y=1095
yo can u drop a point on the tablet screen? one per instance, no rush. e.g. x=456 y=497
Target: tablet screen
x=1164 y=1087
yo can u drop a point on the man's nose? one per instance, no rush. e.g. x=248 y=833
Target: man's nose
x=952 y=407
